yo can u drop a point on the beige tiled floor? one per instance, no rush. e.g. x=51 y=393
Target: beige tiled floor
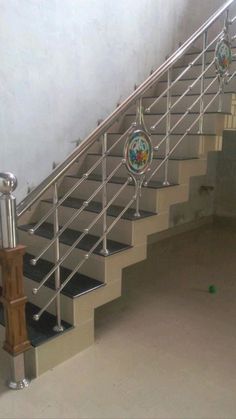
x=166 y=349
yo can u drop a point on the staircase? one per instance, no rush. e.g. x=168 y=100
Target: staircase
x=86 y=222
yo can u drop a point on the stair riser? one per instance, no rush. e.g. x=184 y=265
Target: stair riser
x=121 y=232
x=67 y=310
x=189 y=147
x=188 y=58
x=196 y=70
x=112 y=163
x=165 y=197
x=94 y=268
x=183 y=85
x=212 y=123
x=185 y=103
x=87 y=188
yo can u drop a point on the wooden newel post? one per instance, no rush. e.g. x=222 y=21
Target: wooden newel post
x=13 y=298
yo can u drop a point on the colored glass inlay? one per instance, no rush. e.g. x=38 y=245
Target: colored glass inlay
x=223 y=56
x=138 y=152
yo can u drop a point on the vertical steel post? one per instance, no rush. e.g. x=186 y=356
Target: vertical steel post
x=104 y=250
x=222 y=77
x=201 y=120
x=58 y=327
x=168 y=127
x=13 y=299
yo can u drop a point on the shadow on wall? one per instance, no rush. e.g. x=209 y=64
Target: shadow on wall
x=225 y=203
x=193 y=18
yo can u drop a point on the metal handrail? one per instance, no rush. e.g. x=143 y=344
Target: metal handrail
x=117 y=113
x=139 y=122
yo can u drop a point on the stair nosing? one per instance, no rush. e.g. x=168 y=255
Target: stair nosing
x=89 y=209
x=123 y=246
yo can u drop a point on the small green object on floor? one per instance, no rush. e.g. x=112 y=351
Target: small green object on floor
x=212 y=289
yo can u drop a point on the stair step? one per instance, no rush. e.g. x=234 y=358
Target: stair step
x=77 y=286
x=38 y=331
x=69 y=236
x=178 y=125
x=189 y=146
x=121 y=180
x=113 y=210
x=176 y=158
x=185 y=103
x=186 y=82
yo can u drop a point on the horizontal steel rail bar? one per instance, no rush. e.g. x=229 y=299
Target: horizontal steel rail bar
x=180 y=140
x=186 y=113
x=35 y=260
x=174 y=82
x=73 y=246
x=117 y=113
x=183 y=95
x=74 y=187
x=86 y=257
x=123 y=136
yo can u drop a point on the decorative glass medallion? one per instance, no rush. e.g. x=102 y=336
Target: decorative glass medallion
x=223 y=56
x=138 y=152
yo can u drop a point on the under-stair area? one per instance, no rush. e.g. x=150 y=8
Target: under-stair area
x=165 y=349
x=91 y=222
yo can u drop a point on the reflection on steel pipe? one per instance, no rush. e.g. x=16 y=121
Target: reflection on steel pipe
x=8 y=236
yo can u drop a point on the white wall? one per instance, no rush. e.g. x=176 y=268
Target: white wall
x=66 y=63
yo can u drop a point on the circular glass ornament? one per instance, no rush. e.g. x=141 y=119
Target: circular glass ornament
x=138 y=152
x=223 y=56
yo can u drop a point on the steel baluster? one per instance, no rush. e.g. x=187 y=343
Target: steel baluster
x=203 y=83
x=104 y=250
x=58 y=327
x=168 y=126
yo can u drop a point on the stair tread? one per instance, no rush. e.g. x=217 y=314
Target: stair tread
x=190 y=78
x=154 y=158
x=198 y=52
x=38 y=331
x=113 y=210
x=182 y=113
x=78 y=285
x=187 y=94
x=69 y=236
x=196 y=134
x=198 y=64
x=153 y=184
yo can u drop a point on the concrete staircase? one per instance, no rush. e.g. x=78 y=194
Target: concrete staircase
x=100 y=279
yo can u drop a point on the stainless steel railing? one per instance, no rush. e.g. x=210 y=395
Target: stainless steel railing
x=118 y=112
x=137 y=127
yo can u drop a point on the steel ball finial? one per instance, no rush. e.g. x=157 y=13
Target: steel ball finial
x=8 y=183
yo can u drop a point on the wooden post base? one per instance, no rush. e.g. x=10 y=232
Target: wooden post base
x=14 y=300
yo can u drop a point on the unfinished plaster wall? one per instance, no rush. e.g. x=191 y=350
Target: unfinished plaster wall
x=225 y=201
x=66 y=64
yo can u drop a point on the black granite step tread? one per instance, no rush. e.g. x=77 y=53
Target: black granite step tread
x=77 y=286
x=40 y=331
x=154 y=158
x=198 y=52
x=195 y=134
x=113 y=210
x=187 y=94
x=153 y=184
x=69 y=236
x=190 y=79
x=182 y=113
x=198 y=64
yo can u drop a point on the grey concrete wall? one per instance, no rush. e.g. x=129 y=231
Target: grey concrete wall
x=201 y=196
x=66 y=63
x=225 y=199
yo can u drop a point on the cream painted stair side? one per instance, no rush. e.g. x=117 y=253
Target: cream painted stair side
x=159 y=200
x=81 y=310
